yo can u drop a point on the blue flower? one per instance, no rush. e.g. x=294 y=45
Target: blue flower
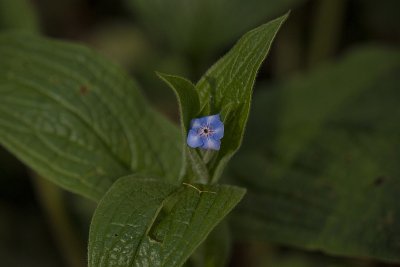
x=206 y=132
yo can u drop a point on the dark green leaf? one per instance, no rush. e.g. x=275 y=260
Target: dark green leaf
x=187 y=97
x=321 y=160
x=77 y=119
x=199 y=28
x=226 y=88
x=189 y=107
x=152 y=223
x=18 y=15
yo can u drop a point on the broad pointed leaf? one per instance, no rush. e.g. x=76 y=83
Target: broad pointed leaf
x=226 y=88
x=77 y=119
x=153 y=223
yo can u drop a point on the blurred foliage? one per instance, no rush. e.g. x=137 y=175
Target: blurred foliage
x=18 y=15
x=320 y=160
x=381 y=19
x=199 y=28
x=25 y=239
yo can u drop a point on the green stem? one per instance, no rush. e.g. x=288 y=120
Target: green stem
x=327 y=25
x=51 y=199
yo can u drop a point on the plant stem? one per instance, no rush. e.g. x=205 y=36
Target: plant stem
x=51 y=199
x=327 y=25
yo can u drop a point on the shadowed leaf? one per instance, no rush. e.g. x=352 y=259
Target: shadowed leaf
x=321 y=160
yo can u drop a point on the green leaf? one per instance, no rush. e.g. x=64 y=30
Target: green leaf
x=189 y=107
x=321 y=160
x=153 y=223
x=77 y=119
x=18 y=15
x=226 y=88
x=188 y=99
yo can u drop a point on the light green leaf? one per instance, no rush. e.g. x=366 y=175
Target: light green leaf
x=321 y=160
x=77 y=119
x=152 y=223
x=226 y=88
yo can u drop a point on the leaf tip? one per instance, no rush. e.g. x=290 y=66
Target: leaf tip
x=160 y=74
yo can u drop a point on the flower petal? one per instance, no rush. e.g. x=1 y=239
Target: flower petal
x=211 y=143
x=196 y=123
x=213 y=119
x=218 y=132
x=193 y=139
x=216 y=125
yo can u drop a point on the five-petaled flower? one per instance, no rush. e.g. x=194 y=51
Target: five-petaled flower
x=206 y=132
